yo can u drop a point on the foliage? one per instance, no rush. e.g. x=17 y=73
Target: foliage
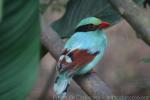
x=79 y=9
x=1 y=2
x=19 y=49
x=43 y=7
x=146 y=60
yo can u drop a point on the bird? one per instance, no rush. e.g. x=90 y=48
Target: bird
x=81 y=52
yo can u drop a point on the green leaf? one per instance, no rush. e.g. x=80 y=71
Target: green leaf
x=43 y=7
x=79 y=9
x=19 y=48
x=146 y=60
x=1 y=6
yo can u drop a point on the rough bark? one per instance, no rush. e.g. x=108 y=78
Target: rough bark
x=136 y=16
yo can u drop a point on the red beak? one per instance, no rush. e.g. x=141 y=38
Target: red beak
x=104 y=25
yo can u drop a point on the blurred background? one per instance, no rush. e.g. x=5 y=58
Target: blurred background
x=124 y=68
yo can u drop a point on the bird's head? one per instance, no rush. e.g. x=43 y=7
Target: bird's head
x=91 y=24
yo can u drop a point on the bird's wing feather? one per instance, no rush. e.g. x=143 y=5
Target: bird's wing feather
x=72 y=60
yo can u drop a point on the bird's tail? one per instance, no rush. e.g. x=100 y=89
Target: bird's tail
x=61 y=86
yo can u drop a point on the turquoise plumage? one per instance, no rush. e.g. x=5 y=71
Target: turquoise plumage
x=81 y=52
x=93 y=41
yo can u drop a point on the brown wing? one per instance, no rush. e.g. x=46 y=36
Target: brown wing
x=74 y=60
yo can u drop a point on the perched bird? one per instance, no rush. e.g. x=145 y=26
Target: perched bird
x=81 y=52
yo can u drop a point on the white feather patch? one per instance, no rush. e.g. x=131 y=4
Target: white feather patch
x=61 y=57
x=68 y=59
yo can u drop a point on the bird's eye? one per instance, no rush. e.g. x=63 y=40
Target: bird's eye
x=91 y=27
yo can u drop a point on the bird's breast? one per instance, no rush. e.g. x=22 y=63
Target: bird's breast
x=90 y=40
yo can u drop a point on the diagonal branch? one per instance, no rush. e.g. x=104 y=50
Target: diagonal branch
x=90 y=83
x=136 y=16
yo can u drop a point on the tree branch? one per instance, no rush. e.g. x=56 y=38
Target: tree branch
x=136 y=16
x=93 y=86
x=90 y=83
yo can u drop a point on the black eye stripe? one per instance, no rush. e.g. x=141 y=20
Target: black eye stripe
x=86 y=28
